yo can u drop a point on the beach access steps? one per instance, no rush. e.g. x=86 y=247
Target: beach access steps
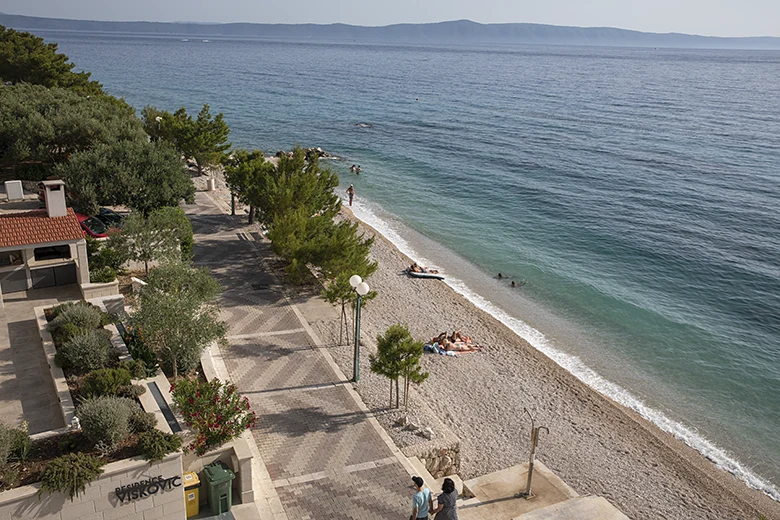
x=492 y=496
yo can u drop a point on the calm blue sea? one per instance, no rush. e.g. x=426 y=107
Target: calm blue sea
x=635 y=190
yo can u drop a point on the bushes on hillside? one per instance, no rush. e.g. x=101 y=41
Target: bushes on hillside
x=104 y=274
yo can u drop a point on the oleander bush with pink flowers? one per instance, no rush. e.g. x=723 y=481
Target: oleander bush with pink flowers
x=214 y=410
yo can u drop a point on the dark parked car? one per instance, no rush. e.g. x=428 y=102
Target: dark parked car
x=110 y=218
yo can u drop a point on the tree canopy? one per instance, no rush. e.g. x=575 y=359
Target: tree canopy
x=142 y=175
x=157 y=236
x=41 y=127
x=177 y=316
x=204 y=139
x=398 y=355
x=26 y=58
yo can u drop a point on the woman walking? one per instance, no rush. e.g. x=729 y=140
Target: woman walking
x=447 y=502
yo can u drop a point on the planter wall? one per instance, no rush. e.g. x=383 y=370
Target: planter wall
x=100 y=500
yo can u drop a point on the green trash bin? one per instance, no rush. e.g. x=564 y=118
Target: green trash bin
x=219 y=485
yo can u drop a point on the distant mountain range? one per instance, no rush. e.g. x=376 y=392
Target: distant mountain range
x=460 y=31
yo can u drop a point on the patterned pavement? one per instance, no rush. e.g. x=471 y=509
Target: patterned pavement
x=325 y=458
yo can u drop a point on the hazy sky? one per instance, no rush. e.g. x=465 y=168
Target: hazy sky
x=707 y=17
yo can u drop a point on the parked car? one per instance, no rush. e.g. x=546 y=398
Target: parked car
x=110 y=218
x=92 y=226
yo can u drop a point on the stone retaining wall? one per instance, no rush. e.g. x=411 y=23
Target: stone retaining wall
x=441 y=458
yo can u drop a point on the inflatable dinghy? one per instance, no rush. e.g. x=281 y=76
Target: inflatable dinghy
x=414 y=274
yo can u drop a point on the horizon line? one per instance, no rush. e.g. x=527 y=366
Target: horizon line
x=393 y=25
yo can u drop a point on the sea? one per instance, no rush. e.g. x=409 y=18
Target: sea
x=633 y=195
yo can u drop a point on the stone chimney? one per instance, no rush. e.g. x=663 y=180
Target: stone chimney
x=54 y=195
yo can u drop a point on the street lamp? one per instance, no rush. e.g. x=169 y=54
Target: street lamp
x=361 y=288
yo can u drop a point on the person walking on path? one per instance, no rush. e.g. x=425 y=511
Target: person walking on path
x=422 y=502
x=351 y=193
x=447 y=502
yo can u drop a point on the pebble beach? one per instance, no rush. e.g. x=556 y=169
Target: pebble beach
x=595 y=445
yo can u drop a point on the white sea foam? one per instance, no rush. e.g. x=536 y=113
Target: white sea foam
x=720 y=457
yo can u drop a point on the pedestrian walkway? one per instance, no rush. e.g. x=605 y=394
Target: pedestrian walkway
x=26 y=387
x=325 y=455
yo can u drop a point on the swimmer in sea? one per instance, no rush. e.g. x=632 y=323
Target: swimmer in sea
x=500 y=276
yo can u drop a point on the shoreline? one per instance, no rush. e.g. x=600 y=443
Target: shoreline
x=596 y=444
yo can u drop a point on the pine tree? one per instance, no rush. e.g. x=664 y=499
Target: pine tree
x=398 y=355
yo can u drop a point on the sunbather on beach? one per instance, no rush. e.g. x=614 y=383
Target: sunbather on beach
x=457 y=336
x=440 y=338
x=459 y=346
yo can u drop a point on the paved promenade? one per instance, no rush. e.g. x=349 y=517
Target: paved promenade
x=323 y=455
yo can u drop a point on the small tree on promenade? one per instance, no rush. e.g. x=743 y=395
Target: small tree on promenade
x=344 y=254
x=160 y=237
x=398 y=355
x=246 y=174
x=177 y=315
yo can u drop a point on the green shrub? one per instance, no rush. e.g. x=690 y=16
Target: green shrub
x=70 y=474
x=155 y=444
x=105 y=381
x=141 y=352
x=103 y=274
x=107 y=419
x=67 y=332
x=59 y=309
x=215 y=411
x=136 y=367
x=87 y=352
x=15 y=446
x=132 y=391
x=108 y=257
x=81 y=314
x=141 y=421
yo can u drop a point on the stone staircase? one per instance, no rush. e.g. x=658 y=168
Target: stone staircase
x=493 y=496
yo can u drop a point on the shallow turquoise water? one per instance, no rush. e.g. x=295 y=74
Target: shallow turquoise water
x=637 y=192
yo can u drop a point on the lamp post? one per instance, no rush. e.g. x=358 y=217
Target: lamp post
x=361 y=288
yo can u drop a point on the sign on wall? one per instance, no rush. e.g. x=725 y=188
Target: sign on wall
x=146 y=488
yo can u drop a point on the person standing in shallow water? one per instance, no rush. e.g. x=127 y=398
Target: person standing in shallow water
x=351 y=193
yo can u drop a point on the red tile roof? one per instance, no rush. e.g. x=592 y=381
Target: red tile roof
x=35 y=227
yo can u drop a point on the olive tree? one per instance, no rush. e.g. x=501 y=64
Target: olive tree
x=177 y=315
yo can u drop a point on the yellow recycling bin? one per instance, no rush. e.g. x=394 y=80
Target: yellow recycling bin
x=192 y=493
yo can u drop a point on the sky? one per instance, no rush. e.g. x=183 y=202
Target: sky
x=705 y=17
